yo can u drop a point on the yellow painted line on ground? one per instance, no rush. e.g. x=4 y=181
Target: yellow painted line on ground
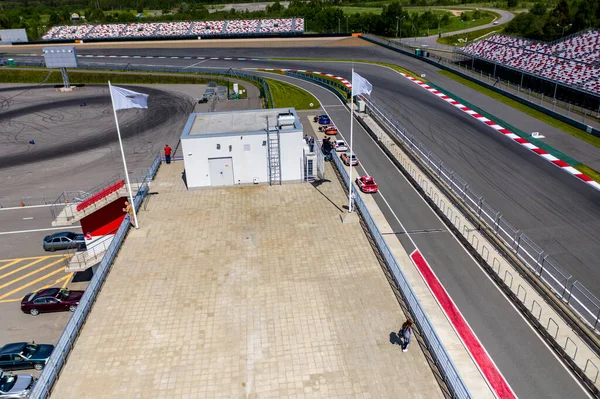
x=9 y=264
x=35 y=262
x=10 y=300
x=65 y=278
x=29 y=274
x=32 y=257
x=31 y=283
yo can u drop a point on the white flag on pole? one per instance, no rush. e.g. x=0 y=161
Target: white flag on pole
x=360 y=85
x=124 y=98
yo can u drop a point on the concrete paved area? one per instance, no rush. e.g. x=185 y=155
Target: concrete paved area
x=244 y=292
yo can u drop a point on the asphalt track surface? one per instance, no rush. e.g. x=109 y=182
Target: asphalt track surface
x=557 y=211
x=530 y=368
x=76 y=148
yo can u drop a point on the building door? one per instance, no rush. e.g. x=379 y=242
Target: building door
x=220 y=171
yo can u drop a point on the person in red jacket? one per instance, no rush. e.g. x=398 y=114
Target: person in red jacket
x=168 y=151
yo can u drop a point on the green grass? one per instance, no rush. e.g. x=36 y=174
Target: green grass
x=565 y=127
x=361 y=10
x=77 y=77
x=327 y=80
x=286 y=95
x=470 y=36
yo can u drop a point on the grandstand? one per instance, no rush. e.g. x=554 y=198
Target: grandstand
x=573 y=61
x=176 y=29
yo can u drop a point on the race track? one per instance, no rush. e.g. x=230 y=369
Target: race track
x=556 y=210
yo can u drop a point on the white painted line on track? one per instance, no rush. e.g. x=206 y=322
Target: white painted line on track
x=193 y=65
x=36 y=230
x=29 y=218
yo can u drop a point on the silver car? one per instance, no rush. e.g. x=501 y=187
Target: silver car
x=15 y=386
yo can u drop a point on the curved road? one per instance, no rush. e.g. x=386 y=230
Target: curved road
x=431 y=41
x=526 y=189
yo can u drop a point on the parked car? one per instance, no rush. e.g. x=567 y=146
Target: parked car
x=324 y=120
x=340 y=145
x=316 y=118
x=15 y=386
x=322 y=128
x=367 y=184
x=64 y=240
x=332 y=131
x=212 y=84
x=51 y=300
x=24 y=355
x=349 y=159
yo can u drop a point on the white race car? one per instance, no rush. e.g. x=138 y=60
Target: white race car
x=340 y=146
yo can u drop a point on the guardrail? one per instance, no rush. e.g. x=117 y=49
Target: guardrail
x=23 y=202
x=323 y=83
x=67 y=339
x=263 y=84
x=565 y=114
x=448 y=370
x=573 y=293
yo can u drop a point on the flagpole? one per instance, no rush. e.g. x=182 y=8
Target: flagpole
x=137 y=226
x=351 y=134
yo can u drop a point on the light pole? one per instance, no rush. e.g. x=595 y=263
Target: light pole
x=564 y=28
x=439 y=27
x=338 y=25
x=347 y=17
x=399 y=19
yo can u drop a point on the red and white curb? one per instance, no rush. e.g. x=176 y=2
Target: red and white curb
x=486 y=365
x=549 y=157
x=162 y=57
x=342 y=80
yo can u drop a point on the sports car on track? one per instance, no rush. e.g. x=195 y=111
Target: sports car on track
x=331 y=131
x=51 y=300
x=324 y=120
x=367 y=184
x=349 y=159
x=24 y=355
x=340 y=145
x=322 y=128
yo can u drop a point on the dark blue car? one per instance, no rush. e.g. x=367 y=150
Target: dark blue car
x=24 y=355
x=324 y=120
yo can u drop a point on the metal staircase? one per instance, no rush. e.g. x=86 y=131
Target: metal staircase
x=274 y=155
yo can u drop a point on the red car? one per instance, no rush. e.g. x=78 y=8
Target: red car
x=367 y=184
x=51 y=300
x=331 y=130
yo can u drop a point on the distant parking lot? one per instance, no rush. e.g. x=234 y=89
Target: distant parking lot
x=25 y=267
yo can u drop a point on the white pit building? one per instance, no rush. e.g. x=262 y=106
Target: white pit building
x=243 y=147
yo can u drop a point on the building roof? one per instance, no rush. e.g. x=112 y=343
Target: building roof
x=210 y=124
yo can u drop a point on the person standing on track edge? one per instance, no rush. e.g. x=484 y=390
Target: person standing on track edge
x=405 y=334
x=168 y=151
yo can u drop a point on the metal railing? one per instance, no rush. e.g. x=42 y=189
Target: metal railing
x=224 y=72
x=322 y=82
x=23 y=202
x=448 y=370
x=560 y=282
x=65 y=343
x=62 y=208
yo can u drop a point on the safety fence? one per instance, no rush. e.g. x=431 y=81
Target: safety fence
x=448 y=370
x=544 y=266
x=324 y=83
x=22 y=202
x=65 y=343
x=224 y=73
